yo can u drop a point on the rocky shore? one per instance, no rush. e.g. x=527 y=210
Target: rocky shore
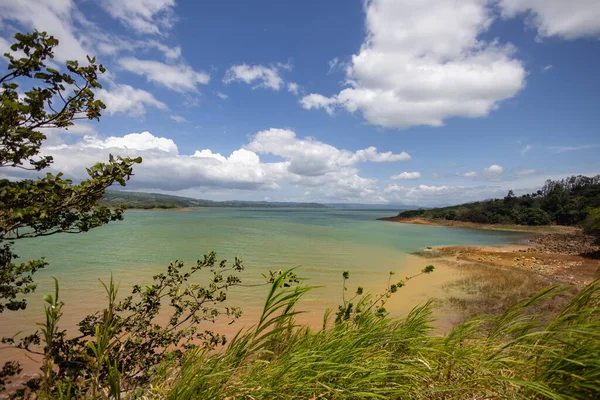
x=567 y=258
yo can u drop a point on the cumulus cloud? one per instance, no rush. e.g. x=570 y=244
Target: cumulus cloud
x=309 y=157
x=568 y=19
x=180 y=78
x=304 y=162
x=142 y=16
x=163 y=167
x=321 y=171
x=316 y=101
x=406 y=176
x=494 y=169
x=222 y=95
x=128 y=100
x=259 y=75
x=470 y=174
x=423 y=62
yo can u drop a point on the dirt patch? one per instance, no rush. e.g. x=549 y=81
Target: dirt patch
x=494 y=277
x=565 y=258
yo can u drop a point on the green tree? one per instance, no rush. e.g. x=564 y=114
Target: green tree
x=591 y=225
x=51 y=204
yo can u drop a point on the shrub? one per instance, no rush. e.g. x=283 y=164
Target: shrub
x=591 y=226
x=533 y=216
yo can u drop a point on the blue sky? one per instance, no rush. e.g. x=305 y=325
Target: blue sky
x=384 y=101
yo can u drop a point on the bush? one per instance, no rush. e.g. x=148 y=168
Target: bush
x=591 y=226
x=533 y=216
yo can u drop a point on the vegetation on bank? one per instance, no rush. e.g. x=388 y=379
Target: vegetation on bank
x=513 y=355
x=140 y=200
x=566 y=202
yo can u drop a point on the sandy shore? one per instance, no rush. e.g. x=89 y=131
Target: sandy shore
x=473 y=225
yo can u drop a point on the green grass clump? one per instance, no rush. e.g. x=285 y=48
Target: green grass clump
x=514 y=355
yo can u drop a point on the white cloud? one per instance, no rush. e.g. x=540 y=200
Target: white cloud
x=52 y=16
x=163 y=168
x=178 y=118
x=422 y=194
x=81 y=128
x=222 y=96
x=526 y=172
x=526 y=149
x=547 y=68
x=406 y=176
x=371 y=154
x=562 y=149
x=135 y=141
x=142 y=16
x=494 y=169
x=4 y=48
x=314 y=170
x=423 y=62
x=316 y=101
x=568 y=19
x=293 y=87
x=128 y=100
x=171 y=53
x=180 y=78
x=305 y=163
x=470 y=174
x=266 y=77
x=309 y=157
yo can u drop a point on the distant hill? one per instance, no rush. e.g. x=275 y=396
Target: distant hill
x=363 y=206
x=564 y=202
x=140 y=200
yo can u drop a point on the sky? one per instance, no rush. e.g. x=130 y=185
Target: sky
x=424 y=103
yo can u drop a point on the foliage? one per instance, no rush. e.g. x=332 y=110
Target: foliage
x=121 y=345
x=365 y=302
x=51 y=204
x=564 y=202
x=35 y=98
x=513 y=355
x=591 y=225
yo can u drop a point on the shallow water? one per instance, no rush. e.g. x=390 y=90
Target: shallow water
x=322 y=242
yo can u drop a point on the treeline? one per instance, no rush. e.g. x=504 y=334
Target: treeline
x=141 y=200
x=565 y=202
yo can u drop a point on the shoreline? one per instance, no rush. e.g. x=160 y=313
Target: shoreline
x=569 y=258
x=489 y=279
x=544 y=229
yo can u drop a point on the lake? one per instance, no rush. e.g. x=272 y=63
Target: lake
x=322 y=242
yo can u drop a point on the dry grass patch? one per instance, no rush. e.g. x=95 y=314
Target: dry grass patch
x=485 y=289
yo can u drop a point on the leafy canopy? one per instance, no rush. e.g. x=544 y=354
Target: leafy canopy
x=35 y=98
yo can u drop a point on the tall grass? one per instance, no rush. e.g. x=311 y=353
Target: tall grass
x=513 y=355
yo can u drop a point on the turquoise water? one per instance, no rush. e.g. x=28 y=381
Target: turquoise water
x=323 y=242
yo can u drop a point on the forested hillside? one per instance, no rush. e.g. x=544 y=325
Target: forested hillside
x=156 y=200
x=565 y=202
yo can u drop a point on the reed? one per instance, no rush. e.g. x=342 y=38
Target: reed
x=516 y=354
